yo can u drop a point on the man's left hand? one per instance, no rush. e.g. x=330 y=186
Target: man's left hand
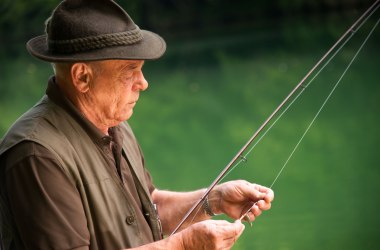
x=234 y=198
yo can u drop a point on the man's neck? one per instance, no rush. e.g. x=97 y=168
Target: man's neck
x=85 y=106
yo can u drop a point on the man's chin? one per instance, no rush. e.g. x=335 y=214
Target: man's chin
x=127 y=116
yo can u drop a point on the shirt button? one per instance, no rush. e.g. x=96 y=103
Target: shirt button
x=130 y=220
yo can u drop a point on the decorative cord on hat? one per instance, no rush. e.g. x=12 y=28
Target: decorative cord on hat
x=96 y=42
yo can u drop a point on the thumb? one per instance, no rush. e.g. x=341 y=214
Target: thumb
x=239 y=227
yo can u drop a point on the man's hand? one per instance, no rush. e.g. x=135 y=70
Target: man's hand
x=234 y=198
x=204 y=235
x=211 y=234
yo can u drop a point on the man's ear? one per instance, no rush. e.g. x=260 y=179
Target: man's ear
x=81 y=74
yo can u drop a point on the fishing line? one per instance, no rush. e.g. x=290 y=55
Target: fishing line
x=244 y=158
x=326 y=100
x=245 y=215
x=239 y=157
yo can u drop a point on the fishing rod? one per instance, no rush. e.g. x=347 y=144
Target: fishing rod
x=300 y=85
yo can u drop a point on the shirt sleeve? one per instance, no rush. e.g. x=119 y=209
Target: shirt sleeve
x=45 y=205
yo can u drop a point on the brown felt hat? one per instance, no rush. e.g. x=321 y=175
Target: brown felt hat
x=89 y=30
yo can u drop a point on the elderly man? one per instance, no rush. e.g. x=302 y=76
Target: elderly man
x=72 y=173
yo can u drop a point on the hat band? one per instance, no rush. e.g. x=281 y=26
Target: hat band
x=95 y=42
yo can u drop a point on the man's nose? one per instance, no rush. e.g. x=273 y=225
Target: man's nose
x=141 y=83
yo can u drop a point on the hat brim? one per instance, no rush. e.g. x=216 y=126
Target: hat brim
x=151 y=47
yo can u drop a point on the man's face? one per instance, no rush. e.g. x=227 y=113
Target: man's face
x=115 y=89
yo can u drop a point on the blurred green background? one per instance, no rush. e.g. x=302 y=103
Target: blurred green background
x=228 y=65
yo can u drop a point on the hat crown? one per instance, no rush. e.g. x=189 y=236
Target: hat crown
x=90 y=30
x=74 y=19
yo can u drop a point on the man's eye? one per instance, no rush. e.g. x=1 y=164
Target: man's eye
x=127 y=76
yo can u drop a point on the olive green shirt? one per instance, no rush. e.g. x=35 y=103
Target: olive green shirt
x=42 y=208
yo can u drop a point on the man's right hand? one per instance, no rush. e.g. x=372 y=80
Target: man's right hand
x=204 y=235
x=211 y=234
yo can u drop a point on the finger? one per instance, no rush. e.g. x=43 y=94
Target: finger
x=220 y=234
x=269 y=194
x=252 y=191
x=227 y=226
x=235 y=230
x=227 y=244
x=249 y=217
x=255 y=211
x=263 y=205
x=230 y=232
x=239 y=227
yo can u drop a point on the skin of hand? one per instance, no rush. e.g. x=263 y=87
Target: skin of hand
x=207 y=234
x=211 y=234
x=234 y=198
